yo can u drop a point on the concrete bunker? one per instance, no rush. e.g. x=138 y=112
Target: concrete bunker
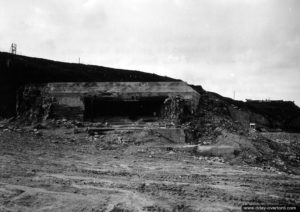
x=94 y=101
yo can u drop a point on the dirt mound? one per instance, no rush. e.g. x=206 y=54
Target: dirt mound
x=220 y=122
x=257 y=150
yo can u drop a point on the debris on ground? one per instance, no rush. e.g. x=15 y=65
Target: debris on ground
x=133 y=167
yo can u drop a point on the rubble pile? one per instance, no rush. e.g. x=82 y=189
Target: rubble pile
x=211 y=128
x=256 y=150
x=210 y=120
x=213 y=125
x=174 y=109
x=34 y=107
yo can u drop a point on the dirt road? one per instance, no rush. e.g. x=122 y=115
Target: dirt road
x=133 y=171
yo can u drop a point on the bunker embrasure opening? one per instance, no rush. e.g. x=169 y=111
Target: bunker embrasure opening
x=131 y=108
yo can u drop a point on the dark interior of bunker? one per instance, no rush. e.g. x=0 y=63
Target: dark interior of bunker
x=132 y=108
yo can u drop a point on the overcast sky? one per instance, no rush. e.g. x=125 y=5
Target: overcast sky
x=251 y=47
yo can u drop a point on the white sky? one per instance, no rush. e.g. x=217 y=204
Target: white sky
x=250 y=46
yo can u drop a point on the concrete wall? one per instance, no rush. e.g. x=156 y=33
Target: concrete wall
x=69 y=96
x=117 y=87
x=124 y=89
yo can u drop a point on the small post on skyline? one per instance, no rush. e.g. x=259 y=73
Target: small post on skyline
x=13 y=48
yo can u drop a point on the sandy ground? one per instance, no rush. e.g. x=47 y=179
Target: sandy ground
x=57 y=170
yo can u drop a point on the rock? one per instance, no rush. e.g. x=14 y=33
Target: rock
x=11 y=128
x=38 y=133
x=72 y=140
x=219 y=151
x=79 y=124
x=76 y=131
x=171 y=153
x=39 y=126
